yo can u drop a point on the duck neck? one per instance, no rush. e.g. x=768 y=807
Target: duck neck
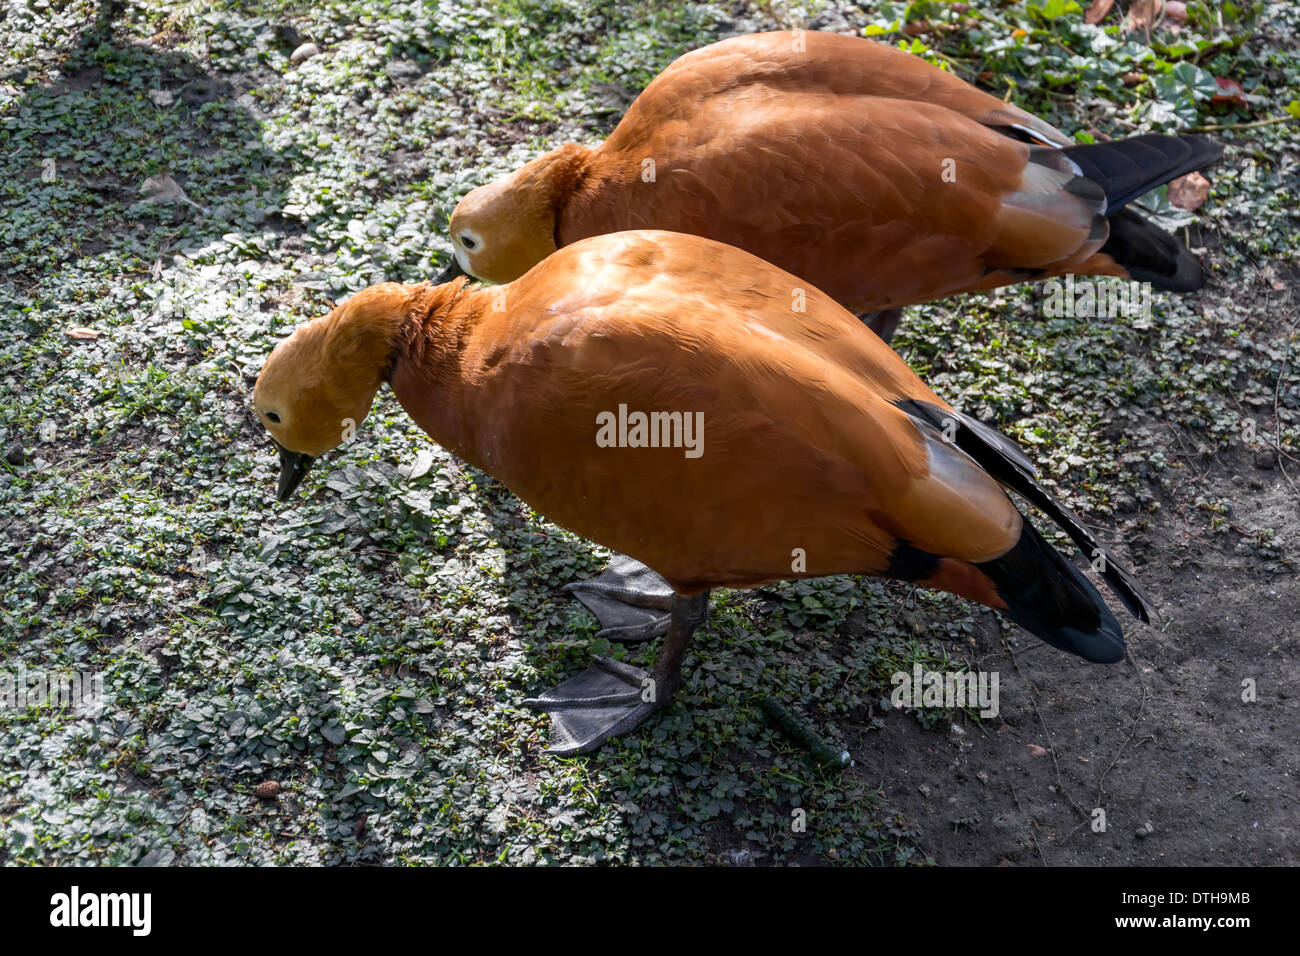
x=431 y=371
x=551 y=181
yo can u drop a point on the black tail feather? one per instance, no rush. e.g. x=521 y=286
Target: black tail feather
x=1047 y=596
x=1152 y=255
x=1128 y=168
x=1005 y=461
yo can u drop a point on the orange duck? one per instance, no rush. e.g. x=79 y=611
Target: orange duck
x=656 y=393
x=878 y=178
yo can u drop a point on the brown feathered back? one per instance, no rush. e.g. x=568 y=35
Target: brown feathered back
x=801 y=446
x=872 y=174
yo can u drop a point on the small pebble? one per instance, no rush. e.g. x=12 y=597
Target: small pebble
x=303 y=53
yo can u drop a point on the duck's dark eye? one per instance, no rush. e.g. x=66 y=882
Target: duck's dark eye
x=273 y=417
x=467 y=242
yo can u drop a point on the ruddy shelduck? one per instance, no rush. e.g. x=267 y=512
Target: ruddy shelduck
x=661 y=394
x=866 y=171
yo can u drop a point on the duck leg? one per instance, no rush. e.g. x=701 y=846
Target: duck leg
x=631 y=602
x=884 y=323
x=610 y=697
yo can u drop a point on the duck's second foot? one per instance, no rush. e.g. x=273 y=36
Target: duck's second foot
x=611 y=697
x=631 y=602
x=884 y=323
x=607 y=699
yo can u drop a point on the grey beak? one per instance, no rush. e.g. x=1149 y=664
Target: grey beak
x=293 y=466
x=452 y=271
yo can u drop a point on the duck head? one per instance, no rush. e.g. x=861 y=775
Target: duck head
x=501 y=230
x=318 y=384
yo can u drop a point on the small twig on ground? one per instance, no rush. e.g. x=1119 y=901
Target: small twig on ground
x=1277 y=418
x=1228 y=126
x=1190 y=455
x=1032 y=835
x=1101 y=781
x=1046 y=733
x=1142 y=706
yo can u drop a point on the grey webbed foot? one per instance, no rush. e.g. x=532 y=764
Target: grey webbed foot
x=611 y=697
x=605 y=700
x=631 y=602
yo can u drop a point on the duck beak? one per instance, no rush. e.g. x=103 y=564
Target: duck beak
x=293 y=466
x=452 y=271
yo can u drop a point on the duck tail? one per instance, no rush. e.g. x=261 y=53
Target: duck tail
x=1006 y=461
x=1128 y=168
x=1152 y=255
x=1047 y=596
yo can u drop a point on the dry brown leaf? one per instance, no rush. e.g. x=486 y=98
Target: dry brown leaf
x=1097 y=11
x=1142 y=14
x=162 y=188
x=80 y=333
x=1189 y=192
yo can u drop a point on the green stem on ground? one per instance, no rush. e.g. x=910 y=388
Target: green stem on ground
x=1256 y=123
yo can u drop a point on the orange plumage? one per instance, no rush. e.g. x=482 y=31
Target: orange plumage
x=810 y=436
x=869 y=173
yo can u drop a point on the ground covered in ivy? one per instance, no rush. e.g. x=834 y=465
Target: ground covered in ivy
x=178 y=190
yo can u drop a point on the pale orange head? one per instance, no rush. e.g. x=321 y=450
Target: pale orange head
x=318 y=385
x=503 y=229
